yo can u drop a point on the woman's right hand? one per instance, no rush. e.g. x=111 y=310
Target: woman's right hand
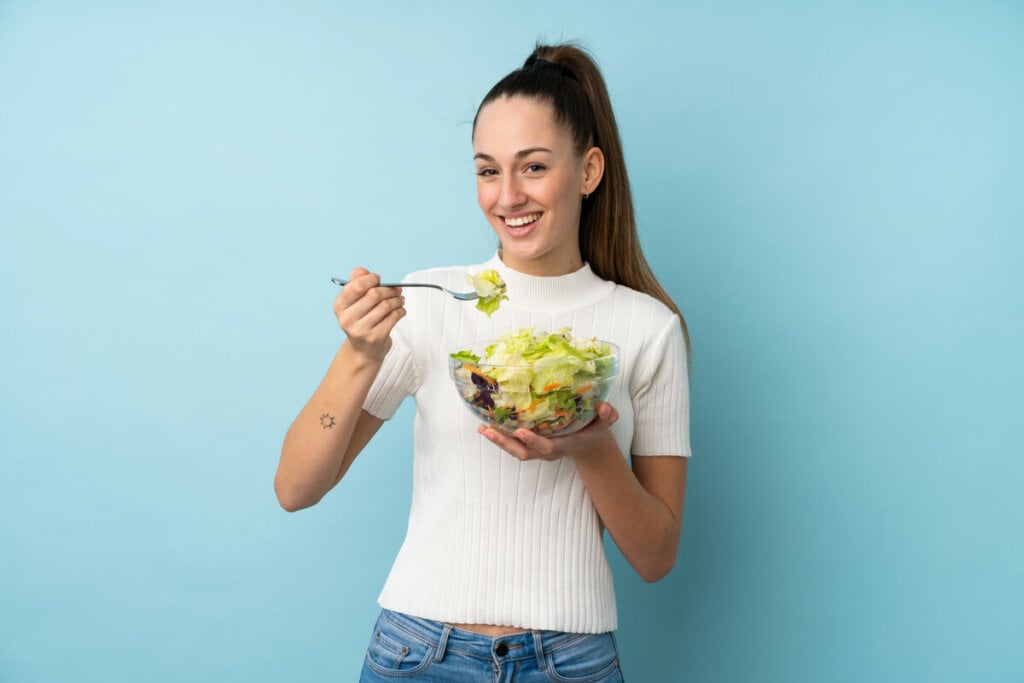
x=368 y=312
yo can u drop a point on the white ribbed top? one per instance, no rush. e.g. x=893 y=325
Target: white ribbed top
x=492 y=540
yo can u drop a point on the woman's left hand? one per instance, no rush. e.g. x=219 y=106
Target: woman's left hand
x=525 y=445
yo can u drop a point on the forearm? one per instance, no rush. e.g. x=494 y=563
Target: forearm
x=316 y=450
x=643 y=527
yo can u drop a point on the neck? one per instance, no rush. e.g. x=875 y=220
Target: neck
x=551 y=294
x=543 y=267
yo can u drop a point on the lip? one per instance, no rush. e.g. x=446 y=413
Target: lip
x=520 y=230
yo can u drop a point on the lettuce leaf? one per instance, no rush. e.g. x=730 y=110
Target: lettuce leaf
x=491 y=289
x=466 y=357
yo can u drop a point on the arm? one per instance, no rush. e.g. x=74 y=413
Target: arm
x=328 y=433
x=333 y=428
x=642 y=508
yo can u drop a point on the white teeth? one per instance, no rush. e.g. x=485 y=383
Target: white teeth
x=523 y=220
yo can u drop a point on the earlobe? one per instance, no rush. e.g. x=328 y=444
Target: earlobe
x=593 y=170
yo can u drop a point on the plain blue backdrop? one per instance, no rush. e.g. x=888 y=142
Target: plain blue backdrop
x=831 y=191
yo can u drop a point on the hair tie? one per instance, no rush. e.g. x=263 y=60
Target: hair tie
x=540 y=62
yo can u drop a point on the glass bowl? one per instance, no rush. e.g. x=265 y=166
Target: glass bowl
x=549 y=396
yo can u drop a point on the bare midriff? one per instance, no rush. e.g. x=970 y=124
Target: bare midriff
x=489 y=629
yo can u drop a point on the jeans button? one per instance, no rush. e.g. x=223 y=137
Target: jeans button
x=501 y=649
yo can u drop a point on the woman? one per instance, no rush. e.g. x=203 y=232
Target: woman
x=502 y=575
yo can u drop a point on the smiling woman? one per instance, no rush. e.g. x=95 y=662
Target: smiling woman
x=529 y=183
x=503 y=567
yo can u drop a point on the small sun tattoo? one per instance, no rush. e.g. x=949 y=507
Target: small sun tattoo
x=327 y=421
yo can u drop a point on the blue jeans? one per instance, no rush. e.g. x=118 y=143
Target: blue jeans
x=413 y=649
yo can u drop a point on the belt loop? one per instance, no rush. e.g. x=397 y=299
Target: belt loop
x=538 y=647
x=442 y=644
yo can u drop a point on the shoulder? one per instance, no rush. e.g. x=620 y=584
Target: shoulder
x=653 y=332
x=644 y=309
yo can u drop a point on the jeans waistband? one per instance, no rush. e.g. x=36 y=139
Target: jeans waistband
x=514 y=646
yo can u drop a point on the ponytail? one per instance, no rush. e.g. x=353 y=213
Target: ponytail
x=568 y=78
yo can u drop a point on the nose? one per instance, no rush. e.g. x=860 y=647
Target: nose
x=511 y=194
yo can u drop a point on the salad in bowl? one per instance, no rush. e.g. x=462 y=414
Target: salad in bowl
x=545 y=382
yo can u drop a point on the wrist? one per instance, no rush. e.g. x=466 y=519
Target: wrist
x=360 y=360
x=599 y=454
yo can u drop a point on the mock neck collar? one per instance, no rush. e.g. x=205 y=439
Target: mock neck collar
x=551 y=293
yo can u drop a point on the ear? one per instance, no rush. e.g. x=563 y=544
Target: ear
x=593 y=169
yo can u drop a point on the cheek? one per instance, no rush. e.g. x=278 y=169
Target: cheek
x=566 y=199
x=484 y=194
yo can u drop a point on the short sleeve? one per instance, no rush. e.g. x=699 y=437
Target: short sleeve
x=661 y=396
x=398 y=377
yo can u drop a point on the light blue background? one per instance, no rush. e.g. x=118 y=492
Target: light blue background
x=832 y=192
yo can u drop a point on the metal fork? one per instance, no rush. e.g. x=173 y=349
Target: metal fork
x=461 y=296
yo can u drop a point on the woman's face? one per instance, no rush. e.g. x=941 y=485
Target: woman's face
x=530 y=184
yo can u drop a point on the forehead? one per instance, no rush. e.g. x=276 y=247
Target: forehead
x=509 y=124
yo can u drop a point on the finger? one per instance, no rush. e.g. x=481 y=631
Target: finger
x=535 y=442
x=383 y=316
x=359 y=299
x=542 y=447
x=509 y=444
x=606 y=413
x=374 y=322
x=375 y=341
x=359 y=285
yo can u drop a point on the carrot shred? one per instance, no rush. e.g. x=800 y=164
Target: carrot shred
x=529 y=408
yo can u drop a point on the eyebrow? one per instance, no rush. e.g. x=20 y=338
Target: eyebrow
x=519 y=155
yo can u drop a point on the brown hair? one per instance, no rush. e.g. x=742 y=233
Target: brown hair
x=567 y=77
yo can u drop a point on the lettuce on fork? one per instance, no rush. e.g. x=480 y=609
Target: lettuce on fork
x=491 y=289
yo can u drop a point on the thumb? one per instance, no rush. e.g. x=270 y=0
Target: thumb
x=358 y=271
x=607 y=414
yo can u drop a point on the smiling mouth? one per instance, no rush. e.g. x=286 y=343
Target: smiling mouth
x=520 y=221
